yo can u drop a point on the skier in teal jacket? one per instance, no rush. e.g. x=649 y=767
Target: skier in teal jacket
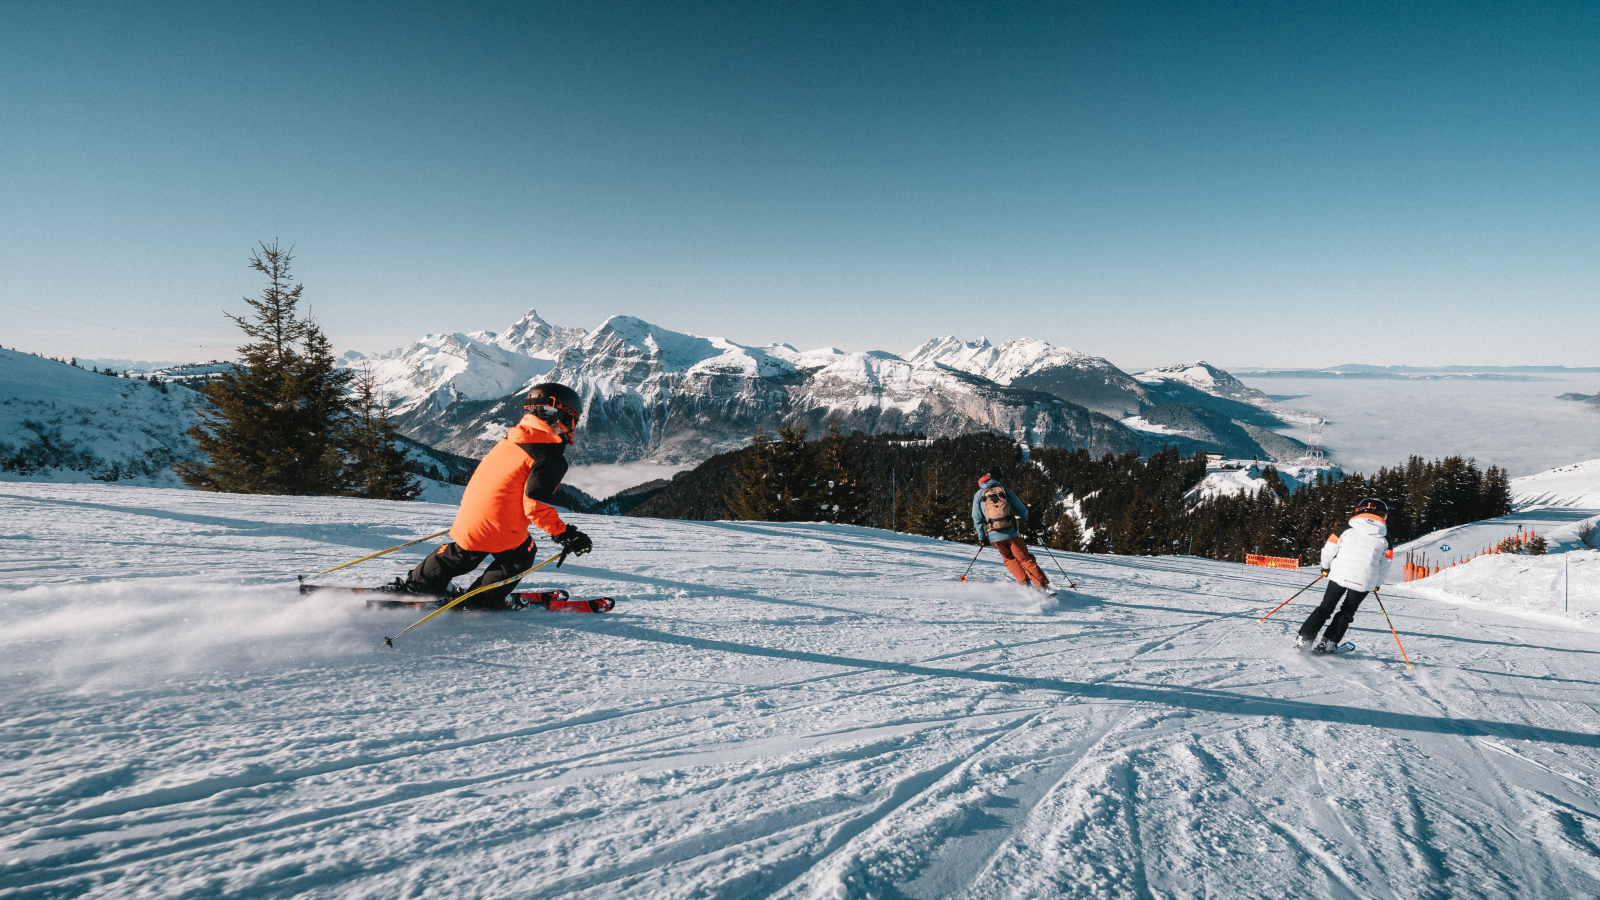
x=999 y=516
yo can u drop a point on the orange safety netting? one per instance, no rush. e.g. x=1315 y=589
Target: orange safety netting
x=1417 y=567
x=1271 y=562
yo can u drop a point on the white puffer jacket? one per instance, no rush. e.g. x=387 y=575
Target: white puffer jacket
x=1360 y=558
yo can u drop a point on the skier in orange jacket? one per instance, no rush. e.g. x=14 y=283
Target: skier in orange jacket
x=514 y=486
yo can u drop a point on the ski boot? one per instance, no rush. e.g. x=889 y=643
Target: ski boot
x=1324 y=647
x=407 y=586
x=1300 y=642
x=524 y=599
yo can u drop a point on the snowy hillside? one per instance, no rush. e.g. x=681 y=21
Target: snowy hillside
x=62 y=423
x=1555 y=504
x=1577 y=485
x=1228 y=477
x=1203 y=376
x=1562 y=584
x=791 y=711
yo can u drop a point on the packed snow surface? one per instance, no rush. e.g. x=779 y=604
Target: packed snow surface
x=771 y=711
x=1558 y=583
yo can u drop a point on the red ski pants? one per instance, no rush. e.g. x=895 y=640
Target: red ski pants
x=1020 y=563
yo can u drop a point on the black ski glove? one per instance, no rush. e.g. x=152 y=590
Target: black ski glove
x=1324 y=573
x=573 y=542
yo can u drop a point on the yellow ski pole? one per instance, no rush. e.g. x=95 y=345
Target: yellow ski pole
x=382 y=552
x=389 y=642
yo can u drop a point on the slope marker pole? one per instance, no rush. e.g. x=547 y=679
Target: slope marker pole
x=1286 y=602
x=1392 y=631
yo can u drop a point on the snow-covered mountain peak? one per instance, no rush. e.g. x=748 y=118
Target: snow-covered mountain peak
x=803 y=359
x=1203 y=376
x=629 y=350
x=454 y=366
x=941 y=348
x=533 y=336
x=1001 y=364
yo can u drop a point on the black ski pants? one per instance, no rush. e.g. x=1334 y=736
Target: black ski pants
x=434 y=573
x=1341 y=620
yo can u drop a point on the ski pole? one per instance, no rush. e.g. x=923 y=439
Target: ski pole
x=382 y=552
x=1070 y=583
x=1393 y=632
x=969 y=565
x=389 y=642
x=1286 y=602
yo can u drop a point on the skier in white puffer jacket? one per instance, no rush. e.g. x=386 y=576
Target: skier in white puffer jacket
x=1355 y=563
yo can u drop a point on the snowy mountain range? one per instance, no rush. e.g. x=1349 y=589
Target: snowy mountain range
x=652 y=393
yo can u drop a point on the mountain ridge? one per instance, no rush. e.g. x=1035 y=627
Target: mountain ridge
x=654 y=393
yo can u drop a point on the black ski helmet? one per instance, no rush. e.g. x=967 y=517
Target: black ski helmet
x=555 y=403
x=1373 y=505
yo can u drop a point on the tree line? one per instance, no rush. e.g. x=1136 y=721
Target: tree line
x=286 y=419
x=1124 y=504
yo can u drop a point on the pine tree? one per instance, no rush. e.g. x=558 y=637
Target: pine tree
x=276 y=420
x=938 y=509
x=753 y=496
x=378 y=466
x=796 y=478
x=1495 y=498
x=841 y=495
x=1064 y=533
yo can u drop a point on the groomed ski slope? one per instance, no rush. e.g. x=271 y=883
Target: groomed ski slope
x=771 y=711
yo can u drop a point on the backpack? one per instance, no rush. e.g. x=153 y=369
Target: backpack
x=997 y=512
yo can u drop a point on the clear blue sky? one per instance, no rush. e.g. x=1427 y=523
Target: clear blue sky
x=1277 y=183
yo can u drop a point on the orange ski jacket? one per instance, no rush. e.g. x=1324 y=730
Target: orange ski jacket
x=513 y=486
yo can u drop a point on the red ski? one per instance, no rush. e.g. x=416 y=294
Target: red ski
x=561 y=601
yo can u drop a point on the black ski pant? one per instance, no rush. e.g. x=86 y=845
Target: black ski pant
x=433 y=574
x=1341 y=620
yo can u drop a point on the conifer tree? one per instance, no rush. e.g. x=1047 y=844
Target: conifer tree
x=796 y=478
x=1495 y=499
x=1064 y=533
x=841 y=495
x=1143 y=528
x=378 y=466
x=939 y=510
x=276 y=419
x=753 y=496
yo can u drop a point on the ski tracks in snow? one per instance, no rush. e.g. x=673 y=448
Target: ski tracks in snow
x=791 y=711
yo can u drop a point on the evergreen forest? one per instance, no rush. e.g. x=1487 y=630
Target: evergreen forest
x=1124 y=504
